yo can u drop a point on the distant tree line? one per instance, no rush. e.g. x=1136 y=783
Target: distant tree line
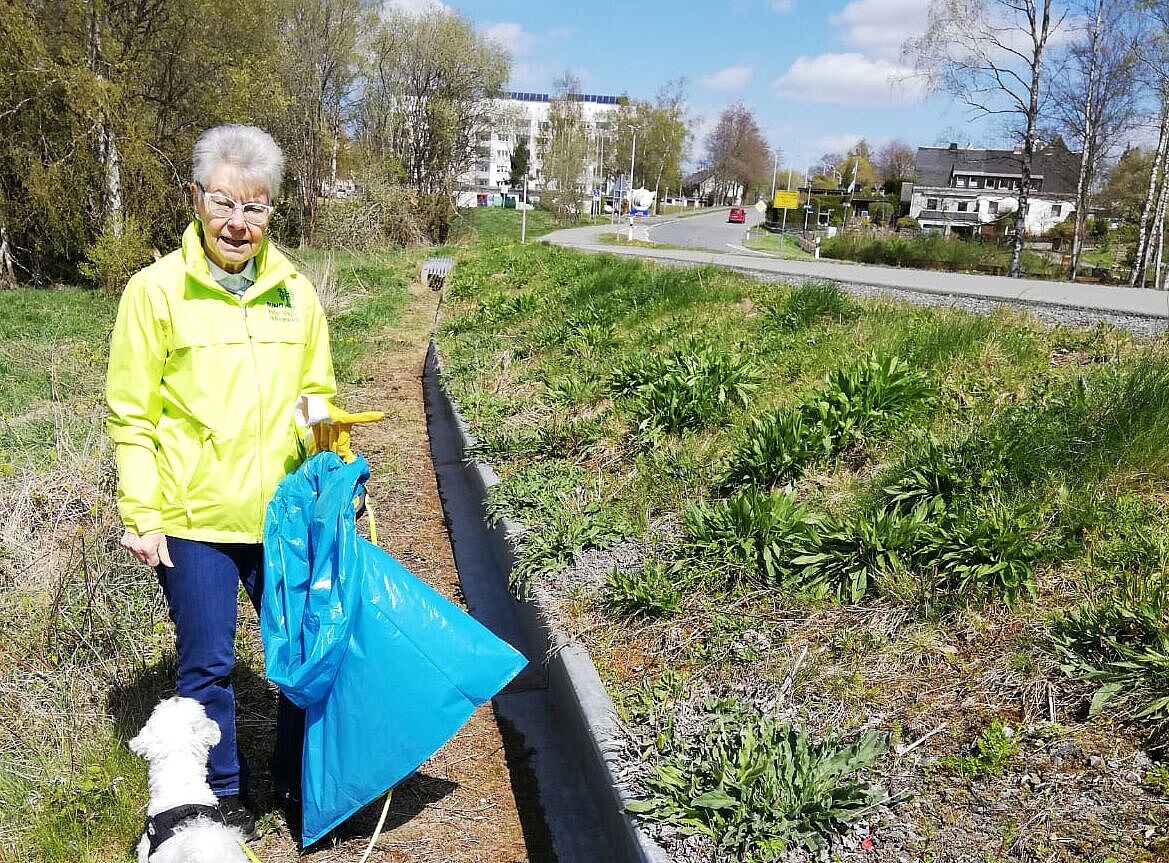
x=101 y=101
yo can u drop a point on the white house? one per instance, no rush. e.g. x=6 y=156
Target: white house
x=965 y=192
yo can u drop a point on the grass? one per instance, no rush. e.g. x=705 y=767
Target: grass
x=494 y=226
x=782 y=245
x=85 y=642
x=955 y=472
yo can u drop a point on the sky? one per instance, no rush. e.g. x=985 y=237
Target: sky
x=818 y=74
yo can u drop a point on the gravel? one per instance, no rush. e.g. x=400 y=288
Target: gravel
x=1074 y=792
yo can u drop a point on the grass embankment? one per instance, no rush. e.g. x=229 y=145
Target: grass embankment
x=850 y=518
x=935 y=253
x=85 y=642
x=783 y=245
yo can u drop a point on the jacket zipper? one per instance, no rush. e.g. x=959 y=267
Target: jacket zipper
x=259 y=412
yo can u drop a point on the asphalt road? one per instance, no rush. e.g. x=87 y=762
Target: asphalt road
x=710 y=233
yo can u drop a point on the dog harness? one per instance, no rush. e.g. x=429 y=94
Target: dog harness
x=162 y=826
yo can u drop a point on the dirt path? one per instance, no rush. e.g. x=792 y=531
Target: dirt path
x=460 y=805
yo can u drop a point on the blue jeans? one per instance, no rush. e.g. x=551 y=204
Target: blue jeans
x=201 y=591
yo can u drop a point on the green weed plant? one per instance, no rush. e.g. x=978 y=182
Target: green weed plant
x=685 y=389
x=993 y=749
x=758 y=786
x=652 y=591
x=859 y=400
x=1121 y=646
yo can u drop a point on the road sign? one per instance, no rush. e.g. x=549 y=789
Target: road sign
x=786 y=200
x=761 y=206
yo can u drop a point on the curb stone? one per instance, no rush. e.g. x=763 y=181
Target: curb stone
x=574 y=688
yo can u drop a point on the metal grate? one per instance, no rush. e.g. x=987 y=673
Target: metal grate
x=435 y=271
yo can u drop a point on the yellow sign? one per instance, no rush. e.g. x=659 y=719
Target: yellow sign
x=786 y=200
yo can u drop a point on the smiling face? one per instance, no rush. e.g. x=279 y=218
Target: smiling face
x=230 y=241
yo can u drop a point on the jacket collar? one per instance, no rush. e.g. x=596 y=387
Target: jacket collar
x=271 y=266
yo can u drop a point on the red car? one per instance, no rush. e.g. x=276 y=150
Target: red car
x=737 y=214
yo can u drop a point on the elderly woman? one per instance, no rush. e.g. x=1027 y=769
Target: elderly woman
x=214 y=345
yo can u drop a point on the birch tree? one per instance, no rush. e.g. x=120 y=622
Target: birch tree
x=993 y=55
x=1153 y=56
x=1095 y=100
x=564 y=148
x=320 y=67
x=429 y=84
x=663 y=138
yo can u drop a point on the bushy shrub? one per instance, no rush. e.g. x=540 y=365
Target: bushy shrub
x=932 y=252
x=880 y=212
x=908 y=224
x=378 y=217
x=115 y=256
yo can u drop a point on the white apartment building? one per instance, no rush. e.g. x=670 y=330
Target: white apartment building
x=967 y=192
x=523 y=115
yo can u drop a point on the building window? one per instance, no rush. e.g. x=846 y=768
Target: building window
x=992 y=207
x=931 y=203
x=962 y=205
x=1056 y=209
x=960 y=182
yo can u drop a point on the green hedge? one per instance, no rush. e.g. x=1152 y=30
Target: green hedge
x=933 y=253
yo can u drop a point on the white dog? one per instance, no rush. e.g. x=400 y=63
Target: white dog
x=182 y=819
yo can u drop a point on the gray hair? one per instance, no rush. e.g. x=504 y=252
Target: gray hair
x=248 y=150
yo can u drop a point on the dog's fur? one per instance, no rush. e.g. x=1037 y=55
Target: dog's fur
x=175 y=742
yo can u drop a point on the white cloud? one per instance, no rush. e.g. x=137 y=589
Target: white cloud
x=783 y=5
x=879 y=27
x=849 y=79
x=529 y=76
x=730 y=78
x=512 y=36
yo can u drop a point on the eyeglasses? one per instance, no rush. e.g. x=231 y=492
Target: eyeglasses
x=223 y=207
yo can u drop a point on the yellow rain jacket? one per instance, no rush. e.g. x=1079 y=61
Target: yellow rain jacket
x=201 y=388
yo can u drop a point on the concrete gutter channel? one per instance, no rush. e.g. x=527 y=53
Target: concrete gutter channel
x=558 y=703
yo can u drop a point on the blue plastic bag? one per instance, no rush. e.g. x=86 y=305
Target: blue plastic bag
x=385 y=667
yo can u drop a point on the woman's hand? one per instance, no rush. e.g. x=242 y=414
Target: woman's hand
x=150 y=549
